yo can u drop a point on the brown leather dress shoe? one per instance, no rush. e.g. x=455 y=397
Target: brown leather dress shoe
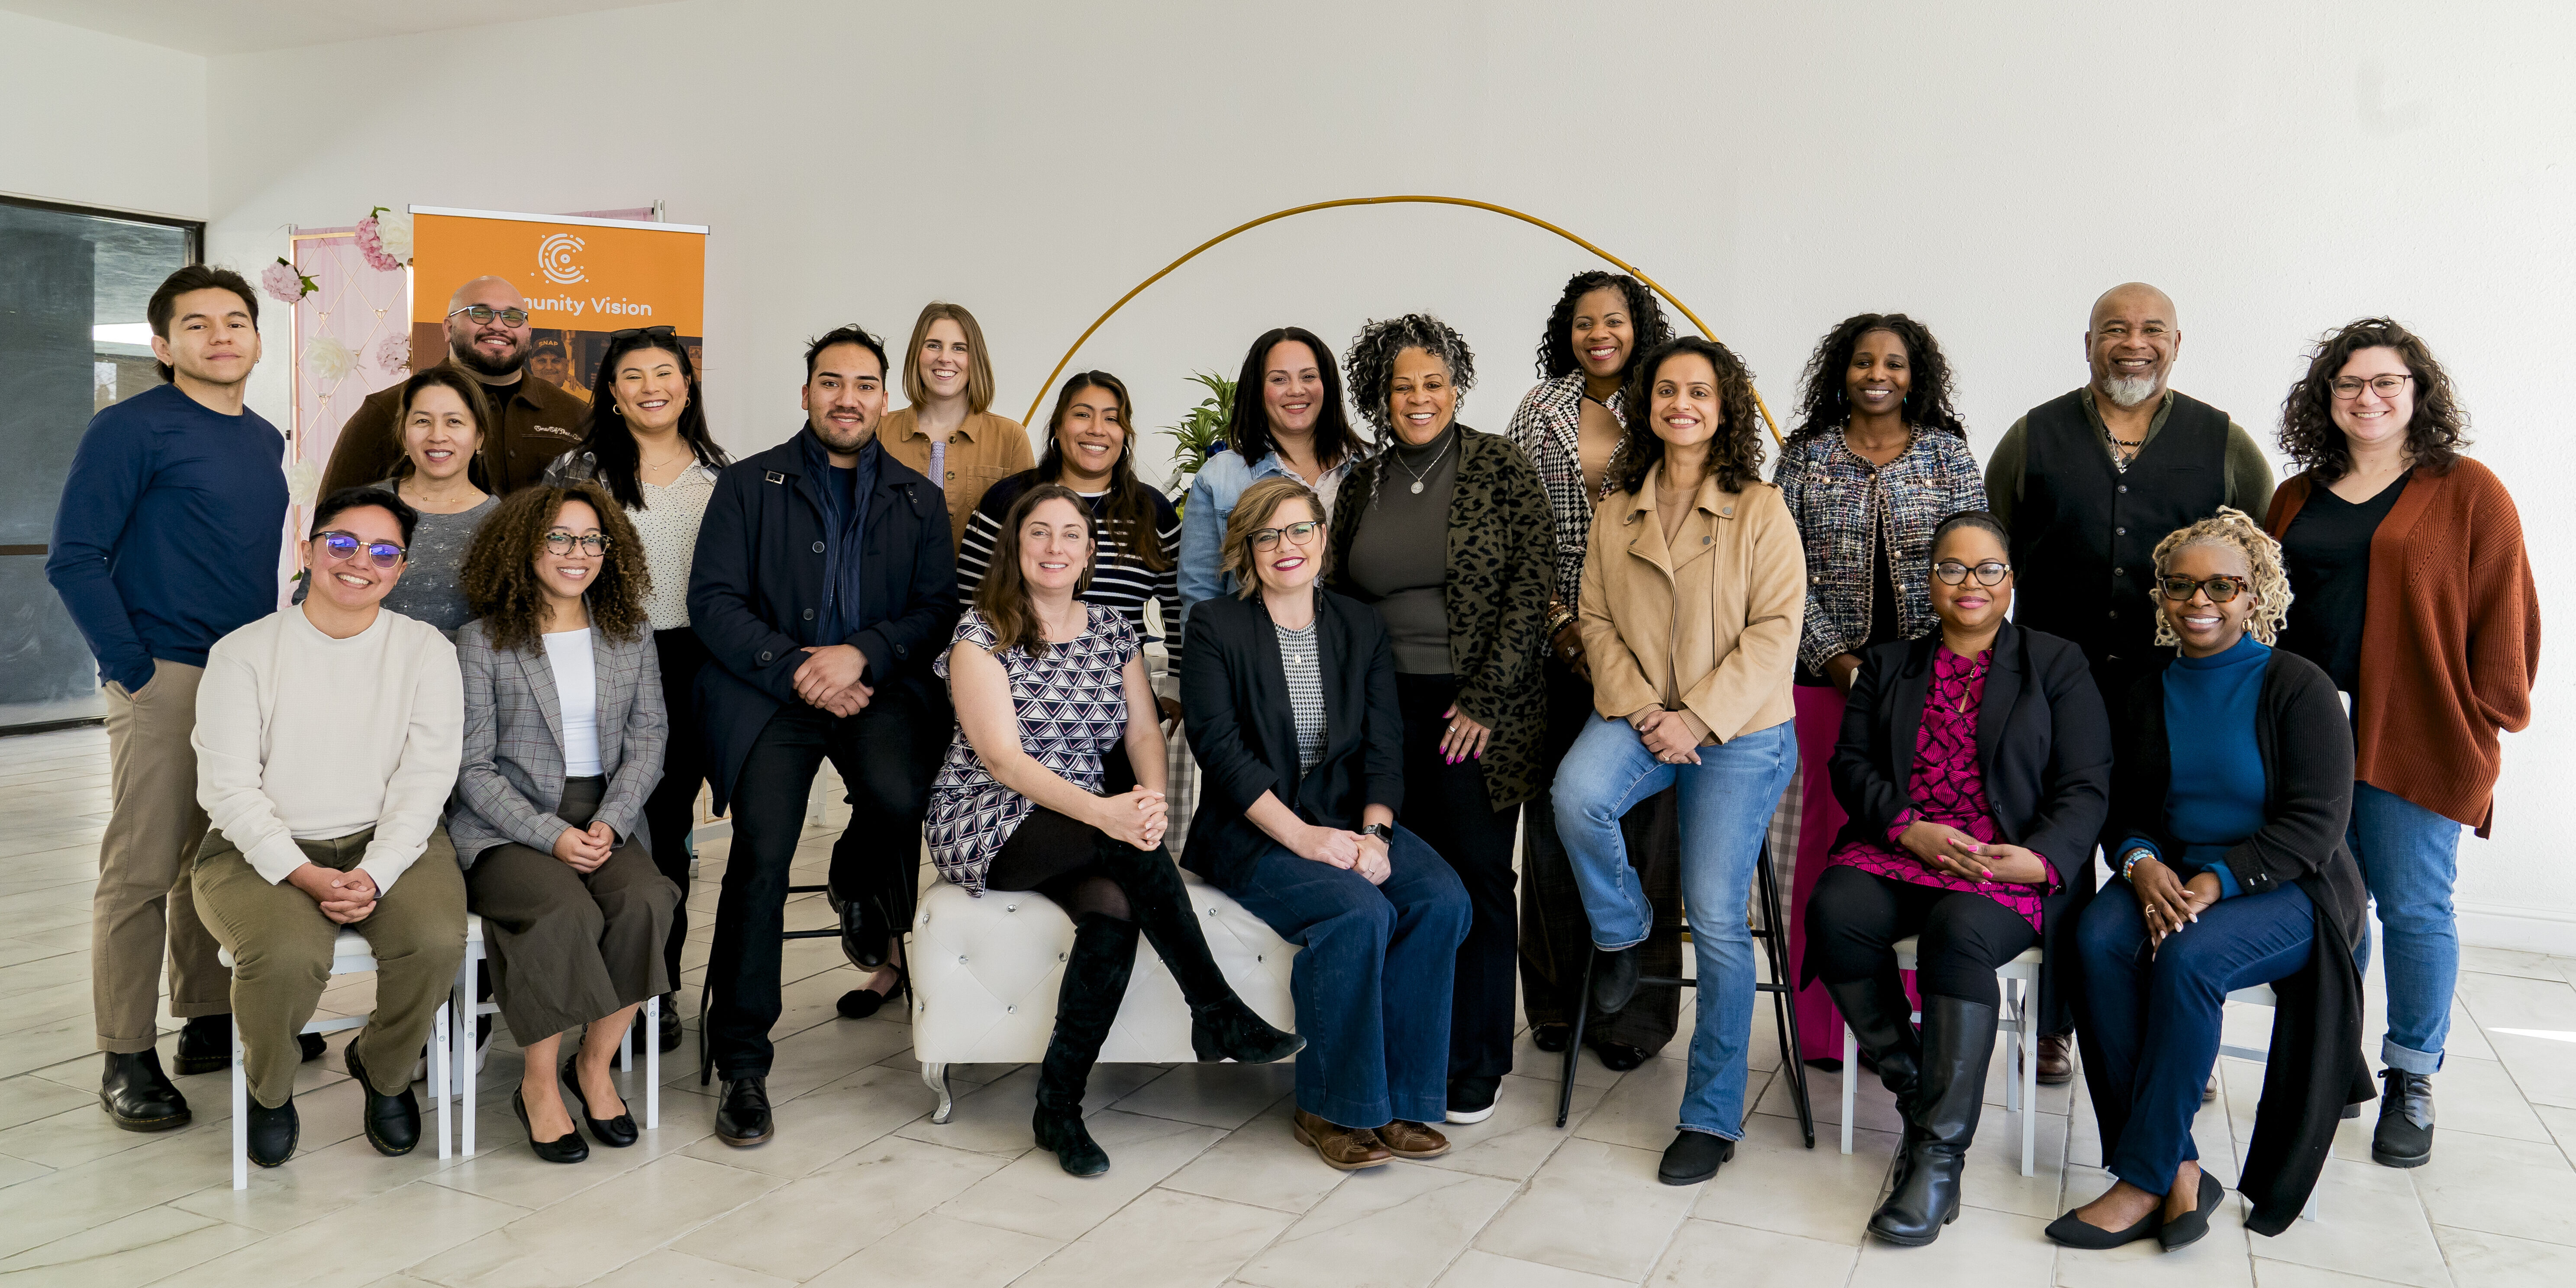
x=1344 y=1149
x=1412 y=1140
x=2056 y=1059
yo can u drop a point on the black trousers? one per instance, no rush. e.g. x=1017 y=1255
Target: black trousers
x=878 y=752
x=671 y=811
x=1448 y=807
x=1854 y=916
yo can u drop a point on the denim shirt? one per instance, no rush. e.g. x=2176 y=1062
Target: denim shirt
x=1212 y=495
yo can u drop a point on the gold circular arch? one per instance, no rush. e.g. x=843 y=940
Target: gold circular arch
x=1624 y=266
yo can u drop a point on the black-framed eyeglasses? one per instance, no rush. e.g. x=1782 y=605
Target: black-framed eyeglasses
x=650 y=332
x=2219 y=589
x=482 y=315
x=1954 y=573
x=1301 y=533
x=561 y=542
x=2348 y=388
x=344 y=546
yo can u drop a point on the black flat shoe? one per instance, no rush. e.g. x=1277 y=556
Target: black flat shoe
x=1693 y=1157
x=865 y=932
x=2188 y=1228
x=1619 y=1057
x=271 y=1133
x=1552 y=1038
x=1614 y=980
x=862 y=1003
x=138 y=1096
x=2075 y=1232
x=617 y=1132
x=568 y=1148
x=392 y=1122
x=742 y=1117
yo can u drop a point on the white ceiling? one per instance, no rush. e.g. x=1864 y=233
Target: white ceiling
x=192 y=26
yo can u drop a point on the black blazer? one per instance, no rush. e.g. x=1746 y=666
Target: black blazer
x=757 y=579
x=2316 y=1065
x=1234 y=700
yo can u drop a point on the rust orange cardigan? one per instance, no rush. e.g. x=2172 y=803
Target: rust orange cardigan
x=2450 y=641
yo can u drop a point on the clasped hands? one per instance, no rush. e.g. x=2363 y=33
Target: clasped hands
x=2169 y=903
x=1672 y=737
x=1365 y=855
x=583 y=849
x=345 y=897
x=830 y=678
x=1137 y=816
x=1951 y=852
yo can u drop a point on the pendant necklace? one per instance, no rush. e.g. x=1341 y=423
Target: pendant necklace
x=1418 y=476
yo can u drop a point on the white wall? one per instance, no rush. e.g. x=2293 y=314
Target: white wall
x=102 y=121
x=2278 y=168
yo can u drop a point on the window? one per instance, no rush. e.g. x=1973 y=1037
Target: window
x=73 y=339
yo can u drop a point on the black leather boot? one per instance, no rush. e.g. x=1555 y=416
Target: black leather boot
x=1095 y=984
x=392 y=1122
x=205 y=1045
x=1958 y=1039
x=270 y=1132
x=742 y=1117
x=1221 y=1026
x=2404 y=1137
x=138 y=1095
x=1882 y=1026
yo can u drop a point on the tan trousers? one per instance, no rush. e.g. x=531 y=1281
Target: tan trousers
x=143 y=862
x=282 y=949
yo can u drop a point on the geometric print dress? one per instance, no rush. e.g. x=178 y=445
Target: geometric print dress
x=1072 y=706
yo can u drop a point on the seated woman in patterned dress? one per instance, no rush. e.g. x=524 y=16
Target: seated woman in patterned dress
x=1976 y=766
x=1044 y=684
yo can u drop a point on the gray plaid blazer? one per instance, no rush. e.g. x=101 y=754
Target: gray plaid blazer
x=513 y=772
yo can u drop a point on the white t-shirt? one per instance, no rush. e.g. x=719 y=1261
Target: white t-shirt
x=577 y=693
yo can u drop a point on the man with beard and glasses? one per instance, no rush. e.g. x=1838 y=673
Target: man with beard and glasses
x=823 y=586
x=2088 y=483
x=488 y=338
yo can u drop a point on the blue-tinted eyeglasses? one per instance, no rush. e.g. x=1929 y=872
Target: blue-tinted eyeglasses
x=344 y=546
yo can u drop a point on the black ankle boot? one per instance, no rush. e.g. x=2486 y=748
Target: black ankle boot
x=1882 y=1028
x=205 y=1045
x=1221 y=1026
x=2404 y=1137
x=138 y=1096
x=1958 y=1038
x=1095 y=984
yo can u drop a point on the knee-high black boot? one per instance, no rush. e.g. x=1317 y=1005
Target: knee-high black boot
x=1095 y=983
x=1221 y=1026
x=1882 y=1025
x=1958 y=1038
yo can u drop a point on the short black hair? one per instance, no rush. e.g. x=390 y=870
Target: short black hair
x=359 y=498
x=194 y=277
x=851 y=334
x=1983 y=519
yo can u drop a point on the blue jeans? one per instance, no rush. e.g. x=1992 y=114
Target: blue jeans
x=2151 y=1025
x=1373 y=984
x=2409 y=858
x=1726 y=804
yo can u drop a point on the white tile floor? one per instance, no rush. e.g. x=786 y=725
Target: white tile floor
x=861 y=1189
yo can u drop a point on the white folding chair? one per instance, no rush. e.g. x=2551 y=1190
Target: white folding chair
x=2262 y=995
x=350 y=955
x=470 y=1012
x=2020 y=1033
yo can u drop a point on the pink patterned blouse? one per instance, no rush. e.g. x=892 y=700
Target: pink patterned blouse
x=1949 y=788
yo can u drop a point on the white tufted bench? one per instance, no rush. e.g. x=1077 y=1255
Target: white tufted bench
x=985 y=973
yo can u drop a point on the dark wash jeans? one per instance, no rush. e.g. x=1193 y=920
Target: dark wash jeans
x=1373 y=984
x=877 y=752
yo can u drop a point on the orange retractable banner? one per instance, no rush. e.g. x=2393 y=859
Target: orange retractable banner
x=583 y=279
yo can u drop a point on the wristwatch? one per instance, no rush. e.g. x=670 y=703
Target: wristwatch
x=1379 y=830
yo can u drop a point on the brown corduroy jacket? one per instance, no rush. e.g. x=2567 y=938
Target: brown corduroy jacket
x=985 y=450
x=2450 y=641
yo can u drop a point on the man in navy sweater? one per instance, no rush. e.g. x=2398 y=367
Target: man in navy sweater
x=167 y=539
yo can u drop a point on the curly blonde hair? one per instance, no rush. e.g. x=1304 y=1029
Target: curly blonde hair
x=500 y=575
x=2238 y=531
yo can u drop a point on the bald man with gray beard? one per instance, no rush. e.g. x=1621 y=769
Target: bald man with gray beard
x=2088 y=483
x=532 y=421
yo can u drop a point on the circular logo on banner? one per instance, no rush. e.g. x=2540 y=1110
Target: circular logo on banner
x=554 y=258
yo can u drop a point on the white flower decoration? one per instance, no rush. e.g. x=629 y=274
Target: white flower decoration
x=393 y=231
x=329 y=359
x=303 y=481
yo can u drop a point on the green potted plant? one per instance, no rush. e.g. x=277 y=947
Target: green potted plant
x=1200 y=432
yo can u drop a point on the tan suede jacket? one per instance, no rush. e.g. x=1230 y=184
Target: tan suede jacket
x=1706 y=624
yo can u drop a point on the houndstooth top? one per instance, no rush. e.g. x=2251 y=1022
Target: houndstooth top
x=1072 y=706
x=1548 y=426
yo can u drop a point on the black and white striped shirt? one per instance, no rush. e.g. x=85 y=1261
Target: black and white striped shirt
x=1119 y=580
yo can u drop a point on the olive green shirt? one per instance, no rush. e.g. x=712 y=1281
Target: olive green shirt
x=2248 y=478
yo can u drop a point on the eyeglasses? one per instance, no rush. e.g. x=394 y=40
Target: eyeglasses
x=344 y=546
x=656 y=332
x=2220 y=589
x=1301 y=533
x=1954 y=573
x=484 y=313
x=2348 y=388
x=561 y=542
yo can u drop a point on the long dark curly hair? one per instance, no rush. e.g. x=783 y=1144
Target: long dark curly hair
x=1645 y=315
x=612 y=445
x=1822 y=404
x=2439 y=429
x=1735 y=454
x=501 y=568
x=1370 y=363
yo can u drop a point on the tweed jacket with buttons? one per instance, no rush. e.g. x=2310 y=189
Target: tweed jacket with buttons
x=512 y=775
x=1832 y=493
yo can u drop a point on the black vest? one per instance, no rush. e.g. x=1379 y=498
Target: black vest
x=2084 y=532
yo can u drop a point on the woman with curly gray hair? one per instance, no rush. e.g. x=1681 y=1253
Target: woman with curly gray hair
x=1448 y=533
